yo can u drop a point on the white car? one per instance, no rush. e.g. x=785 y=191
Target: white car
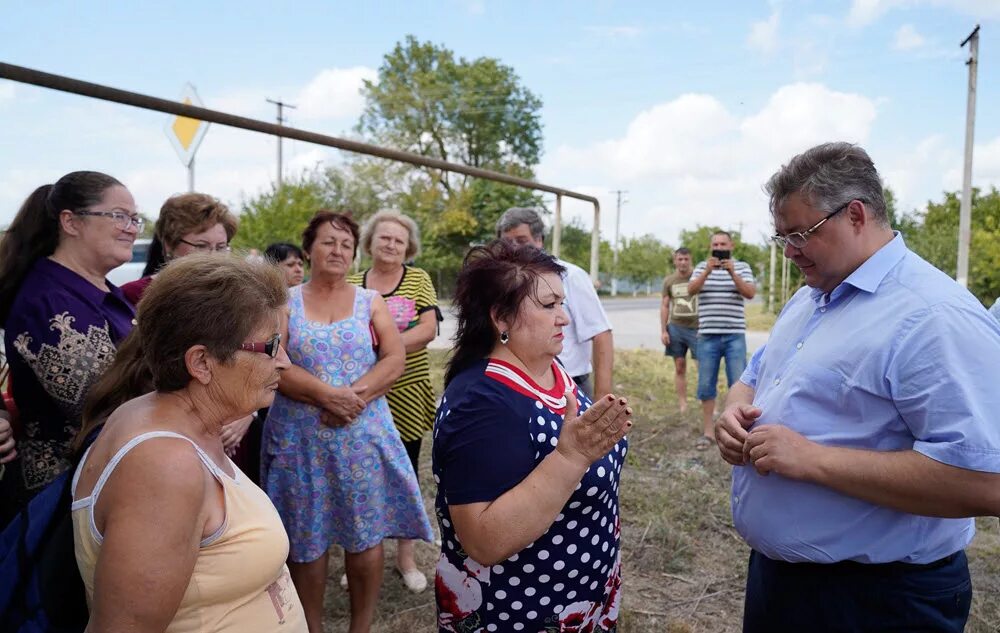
x=132 y=270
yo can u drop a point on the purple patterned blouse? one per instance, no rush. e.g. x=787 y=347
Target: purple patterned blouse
x=61 y=335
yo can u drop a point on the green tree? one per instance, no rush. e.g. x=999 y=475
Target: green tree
x=281 y=214
x=474 y=112
x=574 y=246
x=644 y=260
x=933 y=234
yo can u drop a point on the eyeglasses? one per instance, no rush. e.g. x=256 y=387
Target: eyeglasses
x=799 y=239
x=204 y=247
x=269 y=347
x=121 y=218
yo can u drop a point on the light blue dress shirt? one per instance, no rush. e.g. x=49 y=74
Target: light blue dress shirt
x=995 y=310
x=898 y=356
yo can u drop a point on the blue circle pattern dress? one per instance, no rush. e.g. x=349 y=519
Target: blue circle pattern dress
x=493 y=427
x=350 y=485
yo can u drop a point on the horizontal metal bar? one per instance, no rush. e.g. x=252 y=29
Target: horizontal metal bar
x=106 y=93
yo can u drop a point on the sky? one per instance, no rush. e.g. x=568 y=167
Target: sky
x=689 y=107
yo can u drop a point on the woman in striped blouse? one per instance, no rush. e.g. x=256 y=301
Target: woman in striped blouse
x=391 y=239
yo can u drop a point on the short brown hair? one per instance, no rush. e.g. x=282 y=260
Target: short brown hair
x=212 y=299
x=193 y=213
x=341 y=220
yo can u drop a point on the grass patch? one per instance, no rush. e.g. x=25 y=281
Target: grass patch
x=684 y=565
x=758 y=318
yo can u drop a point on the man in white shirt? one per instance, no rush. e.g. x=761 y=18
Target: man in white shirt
x=588 y=346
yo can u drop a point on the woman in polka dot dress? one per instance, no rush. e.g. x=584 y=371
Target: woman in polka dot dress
x=527 y=468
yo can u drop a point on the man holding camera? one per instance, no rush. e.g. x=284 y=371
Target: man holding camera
x=721 y=283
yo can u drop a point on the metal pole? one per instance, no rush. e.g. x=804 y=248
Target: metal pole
x=965 y=209
x=617 y=245
x=106 y=93
x=784 y=281
x=191 y=175
x=770 y=286
x=595 y=243
x=557 y=227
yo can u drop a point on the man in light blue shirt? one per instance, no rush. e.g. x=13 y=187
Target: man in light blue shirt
x=866 y=428
x=995 y=310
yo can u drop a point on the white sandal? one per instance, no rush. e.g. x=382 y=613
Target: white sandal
x=414 y=580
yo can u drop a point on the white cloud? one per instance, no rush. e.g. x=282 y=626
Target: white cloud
x=907 y=38
x=691 y=161
x=6 y=91
x=763 y=35
x=335 y=93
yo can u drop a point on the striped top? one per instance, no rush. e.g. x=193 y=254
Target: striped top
x=720 y=305
x=411 y=400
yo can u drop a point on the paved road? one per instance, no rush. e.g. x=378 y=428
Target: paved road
x=635 y=323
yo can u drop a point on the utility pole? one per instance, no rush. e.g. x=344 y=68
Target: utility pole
x=281 y=119
x=965 y=209
x=614 y=256
x=770 y=286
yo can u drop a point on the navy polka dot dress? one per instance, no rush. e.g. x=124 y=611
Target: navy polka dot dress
x=494 y=426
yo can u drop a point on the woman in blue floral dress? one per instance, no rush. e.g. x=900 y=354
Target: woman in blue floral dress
x=527 y=485
x=332 y=460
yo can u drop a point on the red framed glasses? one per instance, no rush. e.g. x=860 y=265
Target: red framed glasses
x=269 y=347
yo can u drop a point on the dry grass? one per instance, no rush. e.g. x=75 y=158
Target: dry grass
x=684 y=564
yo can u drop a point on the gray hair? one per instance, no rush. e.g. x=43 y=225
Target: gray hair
x=405 y=221
x=829 y=176
x=516 y=216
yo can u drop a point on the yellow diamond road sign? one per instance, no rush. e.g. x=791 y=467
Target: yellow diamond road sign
x=185 y=133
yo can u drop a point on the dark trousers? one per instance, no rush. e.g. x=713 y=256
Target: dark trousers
x=795 y=597
x=413 y=452
x=583 y=382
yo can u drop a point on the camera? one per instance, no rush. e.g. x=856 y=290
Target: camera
x=719 y=254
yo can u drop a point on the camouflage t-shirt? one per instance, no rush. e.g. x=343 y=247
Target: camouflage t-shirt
x=683 y=307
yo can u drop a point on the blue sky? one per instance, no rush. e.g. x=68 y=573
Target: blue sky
x=688 y=106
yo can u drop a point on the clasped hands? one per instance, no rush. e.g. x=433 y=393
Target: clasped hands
x=342 y=405
x=769 y=448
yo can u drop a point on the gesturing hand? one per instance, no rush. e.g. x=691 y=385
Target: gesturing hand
x=586 y=438
x=731 y=431
x=774 y=448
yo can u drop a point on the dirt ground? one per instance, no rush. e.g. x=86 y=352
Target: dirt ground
x=683 y=564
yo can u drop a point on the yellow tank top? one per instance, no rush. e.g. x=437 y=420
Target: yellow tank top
x=240 y=582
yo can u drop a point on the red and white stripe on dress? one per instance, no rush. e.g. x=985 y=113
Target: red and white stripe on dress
x=515 y=378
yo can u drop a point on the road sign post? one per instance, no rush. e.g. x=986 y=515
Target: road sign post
x=186 y=134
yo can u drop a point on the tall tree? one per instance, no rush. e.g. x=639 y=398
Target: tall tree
x=474 y=112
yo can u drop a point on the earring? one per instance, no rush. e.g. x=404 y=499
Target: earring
x=504 y=337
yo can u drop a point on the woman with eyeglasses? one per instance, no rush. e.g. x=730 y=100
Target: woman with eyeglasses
x=169 y=534
x=332 y=460
x=193 y=223
x=62 y=318
x=188 y=223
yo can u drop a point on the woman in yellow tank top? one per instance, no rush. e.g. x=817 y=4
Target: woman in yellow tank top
x=169 y=534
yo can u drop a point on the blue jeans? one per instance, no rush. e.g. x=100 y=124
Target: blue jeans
x=712 y=348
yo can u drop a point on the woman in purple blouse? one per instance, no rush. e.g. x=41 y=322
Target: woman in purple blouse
x=62 y=319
